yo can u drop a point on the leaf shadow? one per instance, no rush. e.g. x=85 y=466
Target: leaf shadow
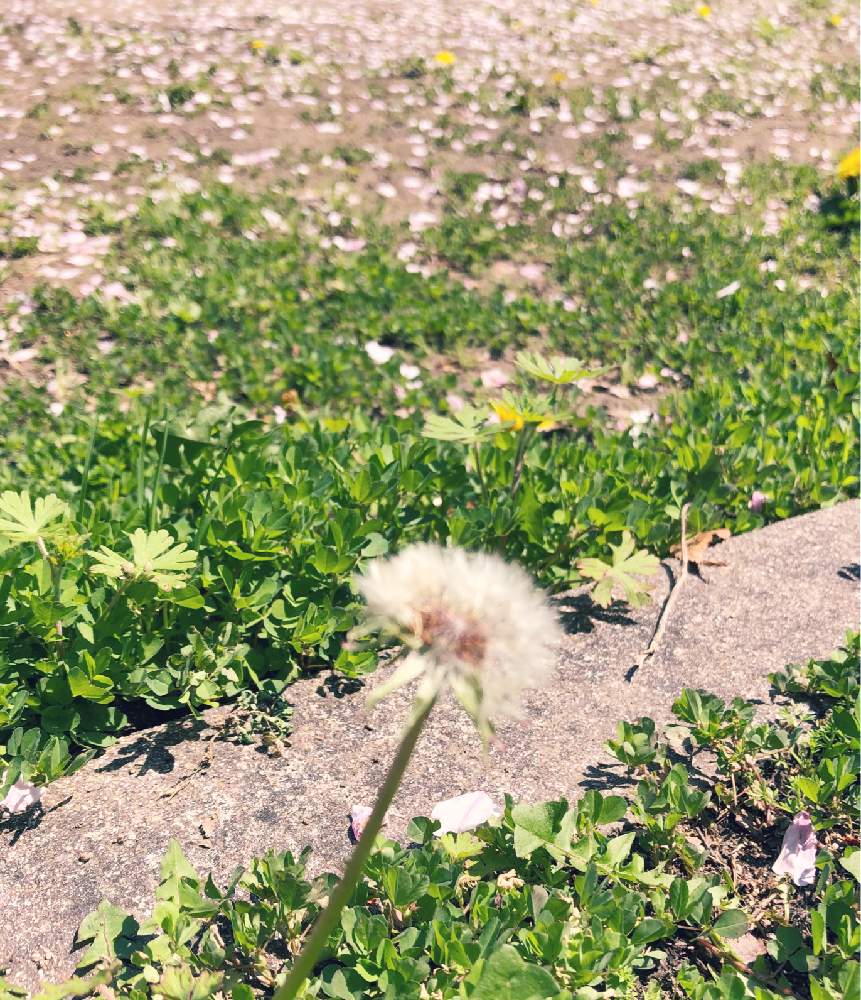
x=604 y=777
x=339 y=687
x=152 y=748
x=579 y=613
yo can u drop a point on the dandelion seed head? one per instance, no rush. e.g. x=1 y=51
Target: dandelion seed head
x=472 y=621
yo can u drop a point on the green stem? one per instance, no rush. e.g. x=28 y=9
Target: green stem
x=113 y=602
x=56 y=577
x=328 y=919
x=480 y=471
x=520 y=457
x=85 y=476
x=156 y=482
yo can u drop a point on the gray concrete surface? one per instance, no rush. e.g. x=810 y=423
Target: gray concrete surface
x=787 y=592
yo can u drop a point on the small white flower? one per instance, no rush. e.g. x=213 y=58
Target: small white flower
x=21 y=796
x=469 y=620
x=379 y=353
x=464 y=812
x=410 y=372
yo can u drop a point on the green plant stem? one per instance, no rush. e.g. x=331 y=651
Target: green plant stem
x=113 y=601
x=56 y=576
x=85 y=476
x=328 y=919
x=156 y=482
x=140 y=469
x=520 y=457
x=480 y=472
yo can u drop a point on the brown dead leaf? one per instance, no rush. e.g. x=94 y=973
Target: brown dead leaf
x=699 y=545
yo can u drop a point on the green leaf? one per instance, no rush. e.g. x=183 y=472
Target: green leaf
x=549 y=825
x=175 y=864
x=22 y=522
x=181 y=983
x=461 y=846
x=851 y=861
x=186 y=310
x=104 y=928
x=731 y=924
x=154 y=557
x=617 y=849
x=621 y=573
x=467 y=427
x=97 y=687
x=559 y=370
x=650 y=929
x=342 y=984
x=506 y=974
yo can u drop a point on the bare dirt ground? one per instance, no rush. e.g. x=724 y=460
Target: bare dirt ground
x=370 y=103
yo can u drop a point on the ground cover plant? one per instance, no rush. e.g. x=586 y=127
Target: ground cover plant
x=165 y=549
x=673 y=888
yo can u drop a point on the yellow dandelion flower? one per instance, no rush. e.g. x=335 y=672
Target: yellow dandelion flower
x=558 y=77
x=704 y=10
x=850 y=165
x=258 y=44
x=445 y=58
x=508 y=415
x=835 y=20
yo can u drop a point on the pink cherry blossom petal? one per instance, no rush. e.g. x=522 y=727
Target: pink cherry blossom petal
x=797 y=856
x=464 y=812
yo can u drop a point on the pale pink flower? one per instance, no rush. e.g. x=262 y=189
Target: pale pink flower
x=21 y=796
x=464 y=812
x=797 y=856
x=757 y=501
x=359 y=816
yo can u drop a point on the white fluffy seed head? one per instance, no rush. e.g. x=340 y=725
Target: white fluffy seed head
x=473 y=620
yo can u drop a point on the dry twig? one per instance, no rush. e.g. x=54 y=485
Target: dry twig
x=664 y=617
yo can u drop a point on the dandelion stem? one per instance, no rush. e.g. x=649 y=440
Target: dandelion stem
x=328 y=919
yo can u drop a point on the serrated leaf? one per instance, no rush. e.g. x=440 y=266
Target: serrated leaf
x=154 y=557
x=558 y=369
x=22 y=522
x=621 y=573
x=467 y=426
